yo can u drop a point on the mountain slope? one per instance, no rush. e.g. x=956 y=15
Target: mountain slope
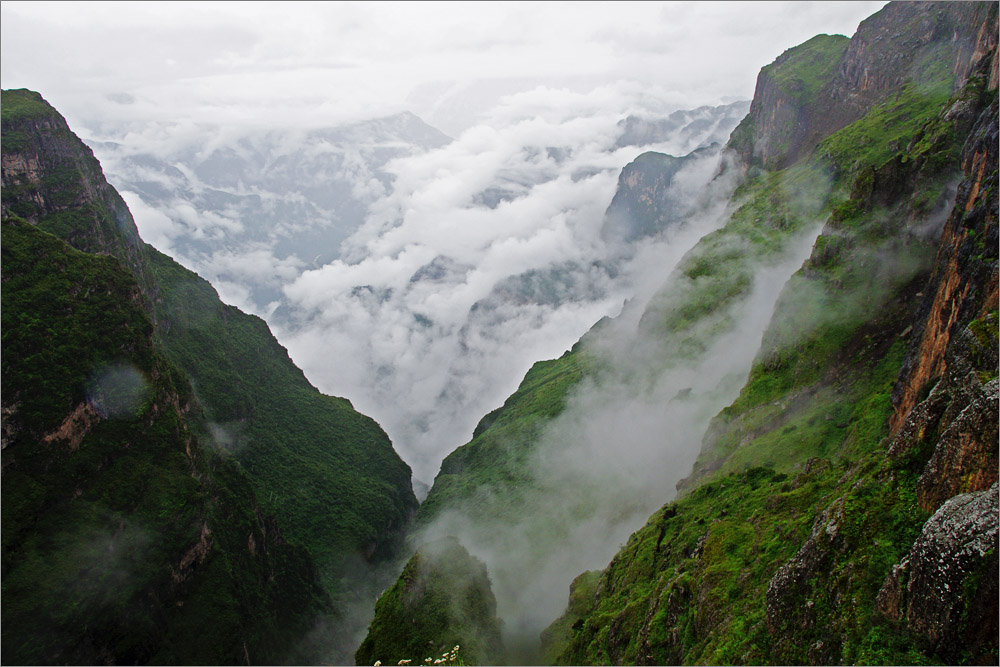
x=803 y=440
x=124 y=535
x=800 y=536
x=441 y=603
x=327 y=473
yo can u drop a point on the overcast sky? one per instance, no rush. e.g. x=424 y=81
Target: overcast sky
x=321 y=63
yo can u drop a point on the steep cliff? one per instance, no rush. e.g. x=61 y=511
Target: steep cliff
x=821 y=523
x=796 y=511
x=328 y=473
x=125 y=537
x=643 y=205
x=819 y=87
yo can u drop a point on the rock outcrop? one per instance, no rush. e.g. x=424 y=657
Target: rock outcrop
x=441 y=601
x=963 y=287
x=644 y=205
x=945 y=589
x=922 y=44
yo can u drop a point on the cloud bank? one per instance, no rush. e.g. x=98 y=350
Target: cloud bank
x=485 y=257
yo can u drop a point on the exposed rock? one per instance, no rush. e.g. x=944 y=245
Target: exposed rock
x=641 y=206
x=75 y=426
x=956 y=343
x=946 y=588
x=889 y=49
x=47 y=170
x=786 y=606
x=965 y=458
x=963 y=287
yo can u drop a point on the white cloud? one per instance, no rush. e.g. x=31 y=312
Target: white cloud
x=532 y=92
x=319 y=63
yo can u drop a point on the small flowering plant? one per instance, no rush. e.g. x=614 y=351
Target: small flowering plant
x=449 y=658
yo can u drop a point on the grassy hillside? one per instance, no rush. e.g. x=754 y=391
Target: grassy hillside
x=328 y=473
x=802 y=510
x=124 y=538
x=441 y=608
x=804 y=517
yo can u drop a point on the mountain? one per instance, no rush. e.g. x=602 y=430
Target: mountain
x=308 y=229
x=442 y=605
x=698 y=128
x=645 y=203
x=297 y=459
x=817 y=376
x=279 y=201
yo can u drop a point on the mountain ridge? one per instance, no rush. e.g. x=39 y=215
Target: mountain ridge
x=303 y=452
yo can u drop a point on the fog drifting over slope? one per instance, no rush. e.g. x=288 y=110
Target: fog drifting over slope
x=417 y=320
x=417 y=275
x=484 y=258
x=613 y=456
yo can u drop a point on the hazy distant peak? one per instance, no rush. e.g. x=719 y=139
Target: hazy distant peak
x=698 y=125
x=403 y=126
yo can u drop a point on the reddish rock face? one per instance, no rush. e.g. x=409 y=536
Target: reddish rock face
x=963 y=287
x=954 y=350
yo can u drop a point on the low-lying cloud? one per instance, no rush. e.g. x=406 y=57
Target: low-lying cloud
x=614 y=455
x=485 y=257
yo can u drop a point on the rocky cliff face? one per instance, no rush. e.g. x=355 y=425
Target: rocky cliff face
x=51 y=178
x=945 y=589
x=920 y=44
x=843 y=508
x=963 y=288
x=644 y=204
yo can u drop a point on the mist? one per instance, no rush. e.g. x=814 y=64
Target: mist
x=627 y=435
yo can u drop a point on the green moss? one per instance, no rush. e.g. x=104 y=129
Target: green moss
x=890 y=127
x=803 y=71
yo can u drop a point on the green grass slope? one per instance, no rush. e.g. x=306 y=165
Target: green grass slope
x=328 y=473
x=124 y=539
x=441 y=602
x=785 y=541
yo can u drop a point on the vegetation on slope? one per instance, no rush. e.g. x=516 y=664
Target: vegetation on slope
x=441 y=601
x=124 y=539
x=787 y=88
x=494 y=467
x=327 y=472
x=853 y=298
x=796 y=524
